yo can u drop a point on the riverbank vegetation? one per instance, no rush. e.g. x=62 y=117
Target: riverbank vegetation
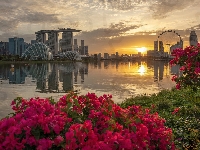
x=180 y=109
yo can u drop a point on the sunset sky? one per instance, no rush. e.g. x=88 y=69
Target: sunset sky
x=107 y=25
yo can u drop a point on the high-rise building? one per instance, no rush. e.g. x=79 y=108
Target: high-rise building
x=112 y=56
x=75 y=45
x=75 y=42
x=16 y=46
x=99 y=56
x=66 y=42
x=95 y=57
x=117 y=55
x=161 y=47
x=82 y=48
x=86 y=50
x=4 y=48
x=193 y=39
x=106 y=56
x=82 y=43
x=155 y=45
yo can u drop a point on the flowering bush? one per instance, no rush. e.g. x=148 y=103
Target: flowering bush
x=189 y=60
x=181 y=111
x=82 y=122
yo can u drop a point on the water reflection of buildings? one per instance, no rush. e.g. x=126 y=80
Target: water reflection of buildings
x=13 y=75
x=16 y=76
x=4 y=72
x=160 y=66
x=175 y=70
x=106 y=64
x=99 y=64
x=59 y=78
x=47 y=77
x=158 y=69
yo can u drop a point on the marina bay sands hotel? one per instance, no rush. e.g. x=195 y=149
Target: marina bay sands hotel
x=50 y=38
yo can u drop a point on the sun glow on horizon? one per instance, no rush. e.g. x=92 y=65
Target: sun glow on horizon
x=141 y=49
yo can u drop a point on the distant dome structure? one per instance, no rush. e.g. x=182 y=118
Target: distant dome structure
x=70 y=55
x=38 y=51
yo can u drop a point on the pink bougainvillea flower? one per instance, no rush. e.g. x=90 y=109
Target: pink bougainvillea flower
x=84 y=122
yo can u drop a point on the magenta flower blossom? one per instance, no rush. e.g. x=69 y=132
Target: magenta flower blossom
x=189 y=61
x=82 y=122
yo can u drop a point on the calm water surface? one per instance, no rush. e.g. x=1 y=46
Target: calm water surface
x=121 y=79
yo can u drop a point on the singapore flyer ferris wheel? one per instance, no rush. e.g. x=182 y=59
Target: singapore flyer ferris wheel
x=169 y=38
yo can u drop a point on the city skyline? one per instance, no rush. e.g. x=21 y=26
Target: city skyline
x=107 y=26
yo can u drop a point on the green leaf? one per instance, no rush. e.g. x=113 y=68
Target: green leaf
x=138 y=120
x=76 y=102
x=52 y=100
x=36 y=133
x=69 y=105
x=134 y=128
x=110 y=107
x=113 y=114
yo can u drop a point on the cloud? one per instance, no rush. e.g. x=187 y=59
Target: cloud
x=122 y=5
x=8 y=25
x=159 y=8
x=14 y=13
x=114 y=30
x=39 y=17
x=162 y=8
x=106 y=38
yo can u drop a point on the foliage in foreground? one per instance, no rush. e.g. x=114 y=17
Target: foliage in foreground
x=180 y=108
x=82 y=122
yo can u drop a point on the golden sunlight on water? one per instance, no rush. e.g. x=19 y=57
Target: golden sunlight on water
x=141 y=70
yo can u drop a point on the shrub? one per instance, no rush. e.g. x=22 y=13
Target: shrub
x=82 y=122
x=181 y=110
x=189 y=60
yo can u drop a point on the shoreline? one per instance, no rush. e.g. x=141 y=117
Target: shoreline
x=66 y=61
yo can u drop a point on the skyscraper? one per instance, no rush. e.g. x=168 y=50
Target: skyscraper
x=155 y=45
x=75 y=45
x=86 y=50
x=82 y=43
x=161 y=47
x=82 y=48
x=16 y=46
x=66 y=42
x=193 y=39
x=3 y=47
x=75 y=42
